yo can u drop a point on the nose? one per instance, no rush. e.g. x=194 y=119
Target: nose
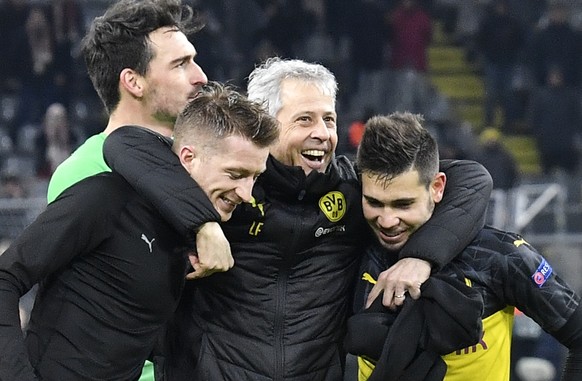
x=245 y=189
x=198 y=76
x=321 y=131
x=387 y=219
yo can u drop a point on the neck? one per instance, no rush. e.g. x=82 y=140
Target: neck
x=123 y=117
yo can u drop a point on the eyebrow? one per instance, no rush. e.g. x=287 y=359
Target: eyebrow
x=245 y=172
x=314 y=114
x=182 y=58
x=370 y=198
x=391 y=202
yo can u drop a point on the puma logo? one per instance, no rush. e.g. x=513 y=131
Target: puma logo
x=368 y=278
x=146 y=240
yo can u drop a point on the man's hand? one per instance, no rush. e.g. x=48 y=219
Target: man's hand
x=407 y=275
x=213 y=252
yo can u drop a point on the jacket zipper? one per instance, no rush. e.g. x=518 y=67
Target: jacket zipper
x=282 y=282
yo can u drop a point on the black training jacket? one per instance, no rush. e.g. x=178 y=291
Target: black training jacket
x=110 y=273
x=507 y=272
x=280 y=313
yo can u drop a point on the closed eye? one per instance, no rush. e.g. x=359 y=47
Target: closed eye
x=373 y=202
x=243 y=175
x=403 y=204
x=236 y=176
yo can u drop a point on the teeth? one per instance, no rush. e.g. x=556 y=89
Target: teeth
x=313 y=152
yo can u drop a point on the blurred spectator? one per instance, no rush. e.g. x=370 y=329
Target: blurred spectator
x=317 y=45
x=56 y=141
x=556 y=44
x=288 y=25
x=338 y=20
x=411 y=34
x=42 y=72
x=528 y=12
x=67 y=16
x=339 y=16
x=497 y=159
x=555 y=120
x=241 y=55
x=369 y=55
x=69 y=27
x=212 y=42
x=356 y=131
x=12 y=186
x=468 y=16
x=13 y=15
x=499 y=40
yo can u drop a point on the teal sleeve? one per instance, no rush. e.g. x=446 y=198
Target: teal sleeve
x=147 y=374
x=86 y=161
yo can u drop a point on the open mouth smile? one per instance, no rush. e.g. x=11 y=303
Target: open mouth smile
x=314 y=158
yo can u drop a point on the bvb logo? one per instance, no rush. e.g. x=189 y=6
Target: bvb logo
x=333 y=205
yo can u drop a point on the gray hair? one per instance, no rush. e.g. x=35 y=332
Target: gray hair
x=265 y=80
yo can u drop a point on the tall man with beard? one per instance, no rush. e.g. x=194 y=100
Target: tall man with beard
x=144 y=69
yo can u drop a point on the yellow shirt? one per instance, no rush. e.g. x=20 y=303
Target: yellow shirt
x=489 y=360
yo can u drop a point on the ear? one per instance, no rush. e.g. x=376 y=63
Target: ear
x=132 y=82
x=437 y=187
x=187 y=154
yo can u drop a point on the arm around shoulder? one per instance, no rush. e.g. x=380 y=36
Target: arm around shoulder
x=457 y=218
x=146 y=161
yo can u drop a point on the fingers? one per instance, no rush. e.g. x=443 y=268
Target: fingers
x=400 y=281
x=191 y=276
x=414 y=290
x=200 y=272
x=213 y=249
x=204 y=269
x=398 y=300
x=376 y=290
x=394 y=293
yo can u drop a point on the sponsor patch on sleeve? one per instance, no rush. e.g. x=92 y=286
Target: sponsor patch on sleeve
x=542 y=273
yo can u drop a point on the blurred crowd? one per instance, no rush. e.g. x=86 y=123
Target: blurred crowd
x=527 y=51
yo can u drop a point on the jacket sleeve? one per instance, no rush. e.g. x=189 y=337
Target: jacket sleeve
x=147 y=162
x=570 y=335
x=547 y=299
x=457 y=218
x=45 y=246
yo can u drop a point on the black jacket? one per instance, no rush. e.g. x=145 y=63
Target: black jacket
x=183 y=204
x=506 y=272
x=111 y=272
x=407 y=344
x=280 y=313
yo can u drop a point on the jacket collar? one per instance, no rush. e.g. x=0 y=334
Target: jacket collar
x=290 y=182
